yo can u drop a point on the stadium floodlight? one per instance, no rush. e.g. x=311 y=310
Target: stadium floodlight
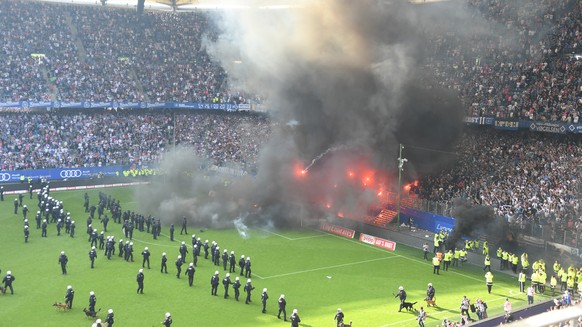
x=401 y=162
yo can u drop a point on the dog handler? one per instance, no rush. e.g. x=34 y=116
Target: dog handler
x=402 y=296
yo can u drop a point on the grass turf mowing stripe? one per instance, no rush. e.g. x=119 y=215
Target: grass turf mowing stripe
x=329 y=267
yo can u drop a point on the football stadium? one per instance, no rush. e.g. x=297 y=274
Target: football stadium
x=290 y=163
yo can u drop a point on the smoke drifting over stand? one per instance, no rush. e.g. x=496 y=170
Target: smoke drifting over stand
x=472 y=221
x=347 y=74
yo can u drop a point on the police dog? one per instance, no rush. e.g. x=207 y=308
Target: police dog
x=346 y=325
x=91 y=314
x=431 y=302
x=61 y=306
x=408 y=306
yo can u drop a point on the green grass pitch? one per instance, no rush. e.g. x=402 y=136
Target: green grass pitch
x=317 y=272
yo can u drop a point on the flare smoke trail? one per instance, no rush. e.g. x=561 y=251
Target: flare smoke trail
x=344 y=72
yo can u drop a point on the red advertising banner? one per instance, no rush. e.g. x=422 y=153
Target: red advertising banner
x=341 y=231
x=379 y=242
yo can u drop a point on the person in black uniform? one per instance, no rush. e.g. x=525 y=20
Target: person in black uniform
x=195 y=253
x=38 y=219
x=26 y=233
x=236 y=286
x=295 y=320
x=72 y=232
x=105 y=222
x=7 y=280
x=59 y=226
x=92 y=256
x=86 y=202
x=184 y=226
x=401 y=296
x=146 y=257
x=241 y=264
x=430 y=292
x=110 y=320
x=339 y=317
x=121 y=247
x=190 y=272
x=232 y=262
x=15 y=206
x=24 y=211
x=140 y=277
x=129 y=252
x=224 y=259
x=248 y=267
x=20 y=197
x=282 y=304
x=214 y=280
x=167 y=320
x=2 y=193
x=264 y=298
x=206 y=249
x=101 y=238
x=69 y=296
x=164 y=263
x=179 y=266
x=92 y=301
x=216 y=256
x=63 y=261
x=183 y=251
x=248 y=288
x=226 y=283
x=171 y=232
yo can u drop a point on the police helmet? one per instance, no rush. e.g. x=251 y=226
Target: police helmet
x=401 y=288
x=216 y=272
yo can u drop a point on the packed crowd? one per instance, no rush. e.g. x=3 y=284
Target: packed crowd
x=523 y=65
x=526 y=177
x=94 y=53
x=224 y=138
x=37 y=141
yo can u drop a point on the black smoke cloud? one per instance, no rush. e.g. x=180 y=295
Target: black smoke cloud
x=474 y=220
x=348 y=74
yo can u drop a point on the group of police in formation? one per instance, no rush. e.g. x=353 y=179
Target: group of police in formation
x=51 y=210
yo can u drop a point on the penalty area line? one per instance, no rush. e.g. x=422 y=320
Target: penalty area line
x=328 y=267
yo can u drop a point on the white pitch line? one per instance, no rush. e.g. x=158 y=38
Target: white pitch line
x=329 y=267
x=285 y=237
x=308 y=237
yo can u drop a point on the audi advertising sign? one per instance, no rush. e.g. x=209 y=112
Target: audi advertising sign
x=5 y=177
x=71 y=173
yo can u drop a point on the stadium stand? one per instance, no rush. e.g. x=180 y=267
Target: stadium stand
x=67 y=52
